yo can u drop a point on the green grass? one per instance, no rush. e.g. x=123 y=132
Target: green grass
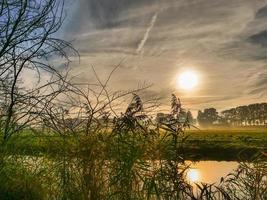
x=75 y=167
x=210 y=144
x=225 y=144
x=18 y=183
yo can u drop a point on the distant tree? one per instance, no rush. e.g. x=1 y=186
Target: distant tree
x=225 y=117
x=233 y=116
x=253 y=114
x=200 y=118
x=263 y=113
x=183 y=115
x=190 y=118
x=243 y=114
x=207 y=117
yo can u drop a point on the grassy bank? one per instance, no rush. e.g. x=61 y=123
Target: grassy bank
x=211 y=144
x=225 y=144
x=128 y=165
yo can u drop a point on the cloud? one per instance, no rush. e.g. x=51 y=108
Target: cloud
x=258 y=83
x=225 y=41
x=141 y=45
x=262 y=12
x=259 y=38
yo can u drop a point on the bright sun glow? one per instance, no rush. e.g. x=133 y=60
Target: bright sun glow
x=187 y=80
x=193 y=175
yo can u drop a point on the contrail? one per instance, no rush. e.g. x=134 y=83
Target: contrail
x=143 y=41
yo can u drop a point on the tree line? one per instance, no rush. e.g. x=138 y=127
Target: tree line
x=247 y=115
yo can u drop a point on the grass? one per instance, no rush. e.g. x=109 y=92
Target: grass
x=18 y=183
x=116 y=167
x=225 y=144
x=210 y=144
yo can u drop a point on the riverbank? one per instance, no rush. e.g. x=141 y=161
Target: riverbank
x=226 y=144
x=219 y=144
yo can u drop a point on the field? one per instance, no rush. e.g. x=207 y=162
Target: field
x=209 y=144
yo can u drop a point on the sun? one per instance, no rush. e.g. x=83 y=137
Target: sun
x=187 y=80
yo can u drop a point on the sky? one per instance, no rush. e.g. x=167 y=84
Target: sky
x=223 y=41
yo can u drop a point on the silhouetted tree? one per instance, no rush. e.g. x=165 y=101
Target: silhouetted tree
x=28 y=44
x=253 y=114
x=207 y=117
x=190 y=118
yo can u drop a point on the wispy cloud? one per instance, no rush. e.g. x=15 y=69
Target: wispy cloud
x=140 y=48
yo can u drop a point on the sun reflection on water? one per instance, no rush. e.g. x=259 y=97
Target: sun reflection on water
x=193 y=175
x=209 y=171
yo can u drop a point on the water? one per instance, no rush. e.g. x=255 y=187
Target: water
x=199 y=172
x=81 y=175
x=209 y=171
